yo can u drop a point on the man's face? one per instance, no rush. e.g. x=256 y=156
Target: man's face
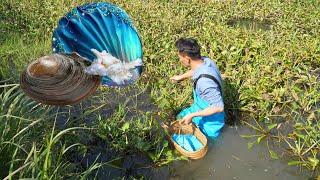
x=185 y=60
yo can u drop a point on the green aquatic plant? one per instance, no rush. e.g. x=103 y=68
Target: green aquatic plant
x=271 y=74
x=26 y=148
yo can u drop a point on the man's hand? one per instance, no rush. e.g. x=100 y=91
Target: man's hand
x=181 y=77
x=187 y=119
x=176 y=78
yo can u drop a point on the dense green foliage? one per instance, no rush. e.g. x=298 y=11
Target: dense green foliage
x=270 y=68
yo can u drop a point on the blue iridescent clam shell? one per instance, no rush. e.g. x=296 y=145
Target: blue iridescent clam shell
x=100 y=26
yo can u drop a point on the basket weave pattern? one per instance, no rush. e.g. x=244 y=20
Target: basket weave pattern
x=176 y=128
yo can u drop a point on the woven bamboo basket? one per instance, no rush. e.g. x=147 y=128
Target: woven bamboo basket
x=176 y=128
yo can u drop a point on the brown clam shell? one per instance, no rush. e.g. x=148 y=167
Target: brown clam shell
x=58 y=79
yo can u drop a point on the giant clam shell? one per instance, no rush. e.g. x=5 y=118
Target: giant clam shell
x=100 y=26
x=58 y=79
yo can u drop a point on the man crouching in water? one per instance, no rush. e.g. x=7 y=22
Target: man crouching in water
x=207 y=110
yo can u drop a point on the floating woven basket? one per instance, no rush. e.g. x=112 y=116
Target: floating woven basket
x=176 y=128
x=58 y=80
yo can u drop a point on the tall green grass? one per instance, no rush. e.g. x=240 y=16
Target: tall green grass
x=28 y=138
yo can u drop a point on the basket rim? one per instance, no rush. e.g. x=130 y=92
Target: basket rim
x=176 y=144
x=190 y=152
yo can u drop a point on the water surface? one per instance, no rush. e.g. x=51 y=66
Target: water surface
x=229 y=158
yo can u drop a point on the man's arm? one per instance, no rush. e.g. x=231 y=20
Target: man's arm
x=212 y=95
x=206 y=112
x=188 y=74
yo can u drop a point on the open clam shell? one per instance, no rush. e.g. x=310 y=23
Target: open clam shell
x=58 y=79
x=100 y=26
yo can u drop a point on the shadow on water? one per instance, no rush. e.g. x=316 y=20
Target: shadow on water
x=250 y=24
x=231 y=101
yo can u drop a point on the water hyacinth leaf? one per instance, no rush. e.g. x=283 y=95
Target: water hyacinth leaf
x=260 y=138
x=165 y=144
x=250 y=145
x=297 y=125
x=273 y=154
x=143 y=146
x=248 y=136
x=169 y=154
x=313 y=162
x=125 y=126
x=271 y=126
x=294 y=163
x=301 y=136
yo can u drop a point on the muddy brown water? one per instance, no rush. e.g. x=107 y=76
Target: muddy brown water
x=229 y=158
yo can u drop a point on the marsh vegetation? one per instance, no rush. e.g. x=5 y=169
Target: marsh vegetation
x=268 y=53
